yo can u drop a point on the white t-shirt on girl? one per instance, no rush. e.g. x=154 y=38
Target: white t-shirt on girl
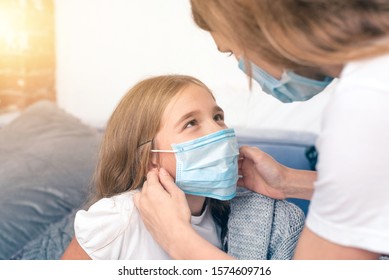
x=350 y=204
x=112 y=229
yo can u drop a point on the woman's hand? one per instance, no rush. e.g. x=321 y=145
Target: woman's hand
x=261 y=173
x=163 y=208
x=166 y=214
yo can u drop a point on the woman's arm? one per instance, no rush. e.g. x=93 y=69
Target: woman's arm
x=262 y=174
x=312 y=247
x=189 y=245
x=166 y=214
x=75 y=252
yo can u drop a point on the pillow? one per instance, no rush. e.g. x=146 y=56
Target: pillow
x=47 y=158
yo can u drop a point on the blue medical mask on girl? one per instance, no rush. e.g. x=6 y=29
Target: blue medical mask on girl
x=291 y=87
x=208 y=166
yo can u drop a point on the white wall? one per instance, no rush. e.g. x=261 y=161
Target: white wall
x=106 y=46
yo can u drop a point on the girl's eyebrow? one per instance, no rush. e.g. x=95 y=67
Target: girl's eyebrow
x=187 y=116
x=194 y=113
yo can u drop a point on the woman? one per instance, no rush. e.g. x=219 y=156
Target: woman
x=293 y=49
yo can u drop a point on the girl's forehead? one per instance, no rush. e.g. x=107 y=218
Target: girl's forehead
x=191 y=98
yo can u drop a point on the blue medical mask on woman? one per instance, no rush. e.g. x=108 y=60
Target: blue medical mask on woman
x=208 y=166
x=291 y=87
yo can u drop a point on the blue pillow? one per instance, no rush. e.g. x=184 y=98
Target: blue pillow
x=47 y=158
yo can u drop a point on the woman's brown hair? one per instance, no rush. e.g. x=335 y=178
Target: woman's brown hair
x=124 y=157
x=300 y=32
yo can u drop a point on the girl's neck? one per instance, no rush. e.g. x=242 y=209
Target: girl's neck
x=196 y=204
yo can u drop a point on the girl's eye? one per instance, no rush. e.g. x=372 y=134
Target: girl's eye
x=229 y=53
x=219 y=117
x=190 y=123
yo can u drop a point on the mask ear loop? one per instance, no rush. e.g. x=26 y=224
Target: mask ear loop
x=156 y=151
x=162 y=151
x=159 y=151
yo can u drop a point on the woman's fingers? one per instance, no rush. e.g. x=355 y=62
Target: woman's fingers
x=157 y=179
x=163 y=207
x=152 y=179
x=252 y=153
x=151 y=190
x=168 y=183
x=158 y=186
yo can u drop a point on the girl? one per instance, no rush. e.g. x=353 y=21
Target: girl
x=154 y=114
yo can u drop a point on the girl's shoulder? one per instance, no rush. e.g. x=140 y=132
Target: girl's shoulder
x=104 y=224
x=118 y=203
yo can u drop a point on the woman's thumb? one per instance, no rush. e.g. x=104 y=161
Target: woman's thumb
x=167 y=181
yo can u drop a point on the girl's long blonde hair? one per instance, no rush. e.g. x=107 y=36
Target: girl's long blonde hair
x=289 y=33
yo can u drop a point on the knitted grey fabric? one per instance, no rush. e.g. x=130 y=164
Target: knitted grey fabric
x=261 y=228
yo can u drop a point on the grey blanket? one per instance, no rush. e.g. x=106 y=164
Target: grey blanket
x=261 y=228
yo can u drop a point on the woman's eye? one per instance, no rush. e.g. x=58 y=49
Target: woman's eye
x=219 y=117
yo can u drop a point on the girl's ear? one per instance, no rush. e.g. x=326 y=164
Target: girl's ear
x=153 y=162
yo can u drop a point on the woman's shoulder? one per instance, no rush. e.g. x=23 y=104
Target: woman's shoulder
x=366 y=73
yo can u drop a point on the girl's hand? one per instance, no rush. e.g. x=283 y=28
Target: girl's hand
x=261 y=173
x=163 y=208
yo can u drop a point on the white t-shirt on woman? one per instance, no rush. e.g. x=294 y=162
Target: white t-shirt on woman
x=112 y=229
x=350 y=204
